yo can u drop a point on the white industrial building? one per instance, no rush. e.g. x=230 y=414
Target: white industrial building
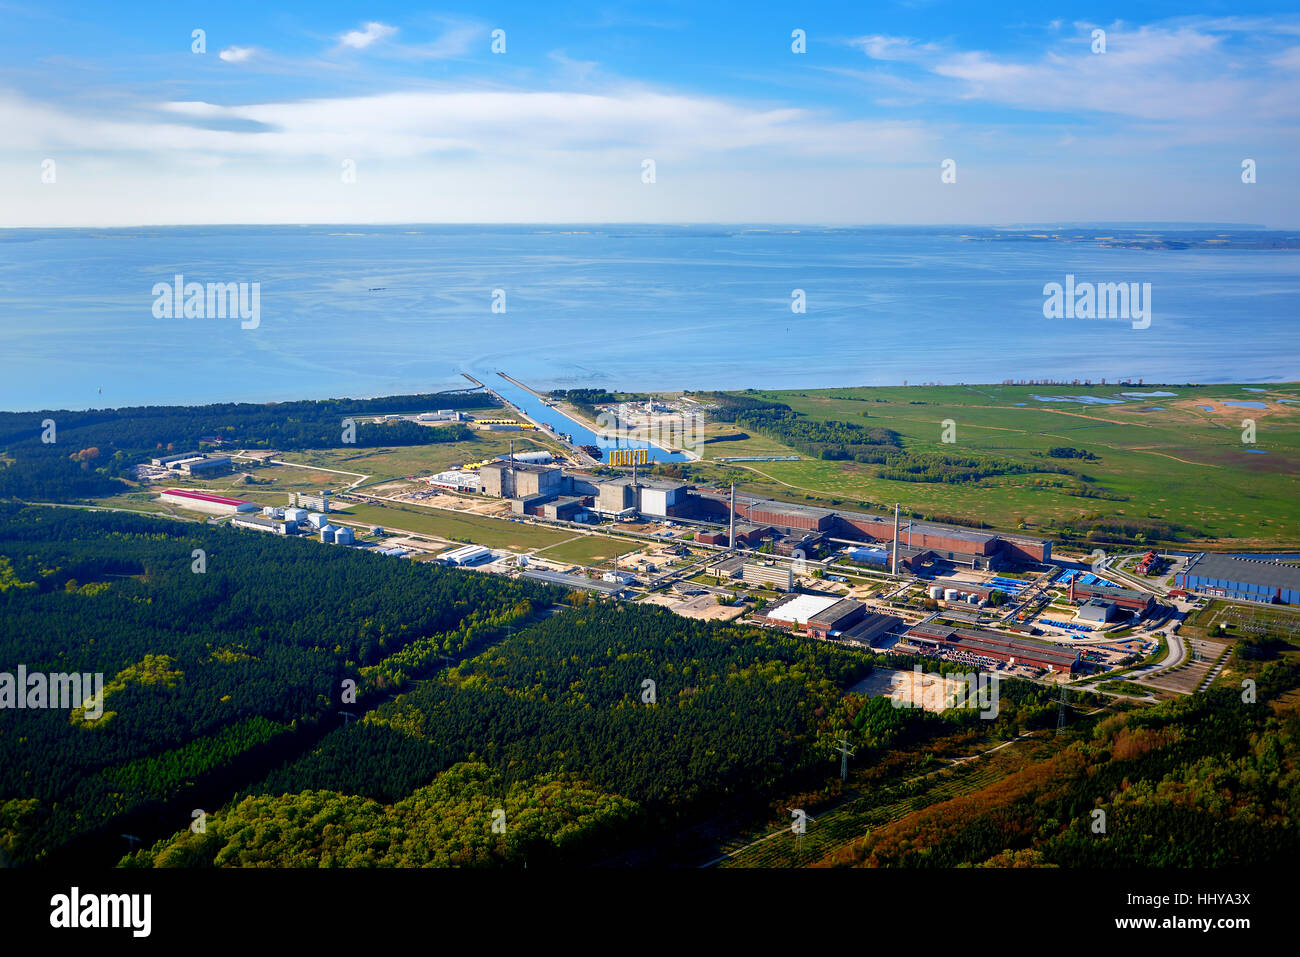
x=206 y=502
x=166 y=461
x=466 y=555
x=295 y=515
x=456 y=480
x=319 y=502
x=798 y=610
x=262 y=523
x=617 y=578
x=657 y=497
x=778 y=576
x=540 y=457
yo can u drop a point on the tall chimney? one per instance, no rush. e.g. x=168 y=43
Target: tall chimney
x=894 y=566
x=731 y=528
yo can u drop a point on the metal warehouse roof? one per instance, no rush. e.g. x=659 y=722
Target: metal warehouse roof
x=799 y=607
x=572 y=581
x=836 y=611
x=977 y=639
x=203 y=496
x=1252 y=571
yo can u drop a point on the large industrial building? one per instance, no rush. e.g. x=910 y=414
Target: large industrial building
x=195 y=464
x=456 y=480
x=573 y=581
x=442 y=415
x=320 y=503
x=262 y=523
x=165 y=461
x=780 y=577
x=870 y=629
x=822 y=616
x=1247 y=579
x=835 y=618
x=203 y=465
x=1098 y=609
x=520 y=479
x=1138 y=602
x=466 y=555
x=204 y=502
x=919 y=542
x=797 y=610
x=982 y=648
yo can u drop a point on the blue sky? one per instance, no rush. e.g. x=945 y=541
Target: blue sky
x=391 y=112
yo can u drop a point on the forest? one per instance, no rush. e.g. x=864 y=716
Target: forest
x=64 y=456
x=202 y=669
x=1209 y=780
x=735 y=715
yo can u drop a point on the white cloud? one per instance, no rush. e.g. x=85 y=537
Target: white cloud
x=236 y=54
x=1183 y=71
x=880 y=47
x=536 y=127
x=368 y=34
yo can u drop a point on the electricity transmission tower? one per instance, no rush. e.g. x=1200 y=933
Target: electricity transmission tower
x=845 y=754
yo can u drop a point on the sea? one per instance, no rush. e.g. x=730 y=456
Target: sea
x=361 y=311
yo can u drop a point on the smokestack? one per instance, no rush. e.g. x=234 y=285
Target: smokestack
x=731 y=528
x=894 y=566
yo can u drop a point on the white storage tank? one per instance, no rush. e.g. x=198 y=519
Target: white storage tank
x=327 y=533
x=344 y=536
x=950 y=594
x=936 y=591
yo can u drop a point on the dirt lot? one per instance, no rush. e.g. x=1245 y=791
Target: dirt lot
x=931 y=692
x=703 y=607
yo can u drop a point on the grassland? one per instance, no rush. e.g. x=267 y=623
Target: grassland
x=385 y=464
x=491 y=532
x=1161 y=460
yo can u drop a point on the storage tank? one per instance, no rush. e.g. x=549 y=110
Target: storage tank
x=950 y=594
x=344 y=536
x=327 y=533
x=936 y=591
x=973 y=599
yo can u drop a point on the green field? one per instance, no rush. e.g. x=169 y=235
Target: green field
x=1160 y=460
x=386 y=464
x=491 y=532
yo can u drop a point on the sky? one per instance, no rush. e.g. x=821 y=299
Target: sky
x=911 y=112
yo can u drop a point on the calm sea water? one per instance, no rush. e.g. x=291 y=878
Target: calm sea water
x=364 y=311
